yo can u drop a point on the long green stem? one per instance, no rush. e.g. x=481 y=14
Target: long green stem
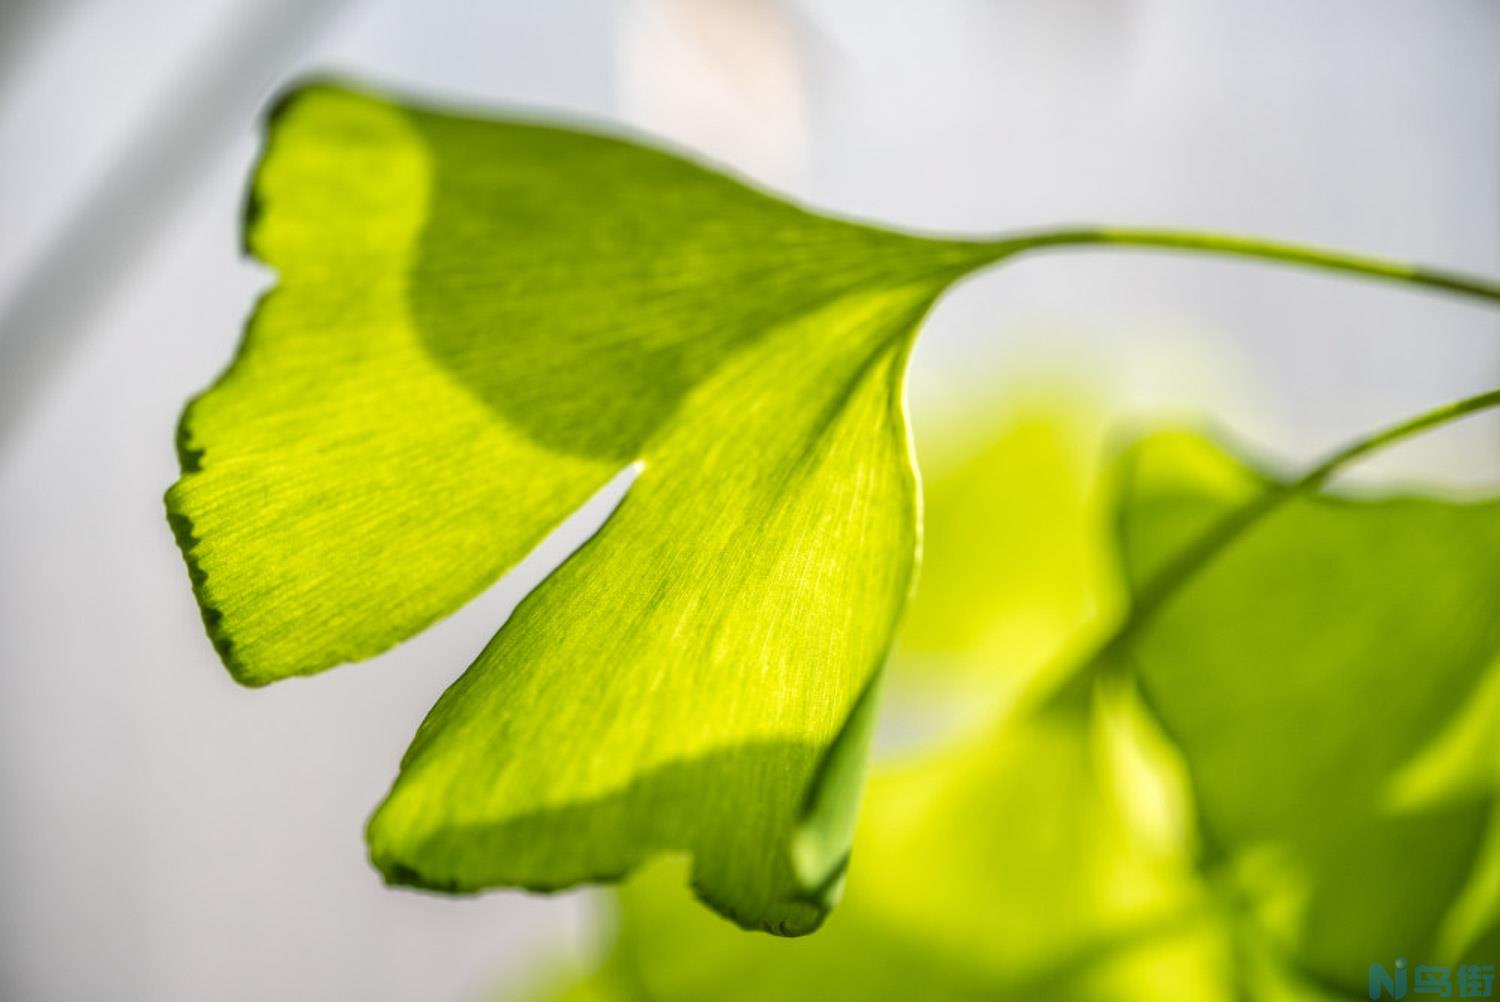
x=1252 y=247
x=1191 y=559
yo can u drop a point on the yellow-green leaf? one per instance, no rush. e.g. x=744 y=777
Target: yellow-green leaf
x=1329 y=679
x=476 y=325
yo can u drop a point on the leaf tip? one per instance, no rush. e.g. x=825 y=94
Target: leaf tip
x=789 y=919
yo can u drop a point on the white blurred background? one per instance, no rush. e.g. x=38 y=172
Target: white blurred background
x=165 y=835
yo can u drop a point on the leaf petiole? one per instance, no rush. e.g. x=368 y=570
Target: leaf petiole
x=1252 y=247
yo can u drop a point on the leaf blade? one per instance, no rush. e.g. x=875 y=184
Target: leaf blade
x=477 y=324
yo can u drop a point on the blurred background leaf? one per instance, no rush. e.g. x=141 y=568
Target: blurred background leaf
x=1329 y=680
x=1015 y=566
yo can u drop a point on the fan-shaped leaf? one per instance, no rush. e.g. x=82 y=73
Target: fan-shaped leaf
x=476 y=325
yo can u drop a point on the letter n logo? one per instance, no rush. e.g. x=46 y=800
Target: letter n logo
x=1384 y=984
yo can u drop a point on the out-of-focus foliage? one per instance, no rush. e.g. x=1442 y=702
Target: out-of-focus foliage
x=477 y=324
x=1016 y=571
x=1330 y=716
x=1329 y=681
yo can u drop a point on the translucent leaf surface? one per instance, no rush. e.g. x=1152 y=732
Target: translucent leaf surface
x=1011 y=868
x=1040 y=857
x=1329 y=679
x=477 y=324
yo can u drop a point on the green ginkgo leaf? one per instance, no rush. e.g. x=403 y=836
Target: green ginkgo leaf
x=476 y=325
x=1329 y=678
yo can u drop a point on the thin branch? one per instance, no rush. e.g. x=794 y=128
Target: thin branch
x=1189 y=561
x=1487 y=289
